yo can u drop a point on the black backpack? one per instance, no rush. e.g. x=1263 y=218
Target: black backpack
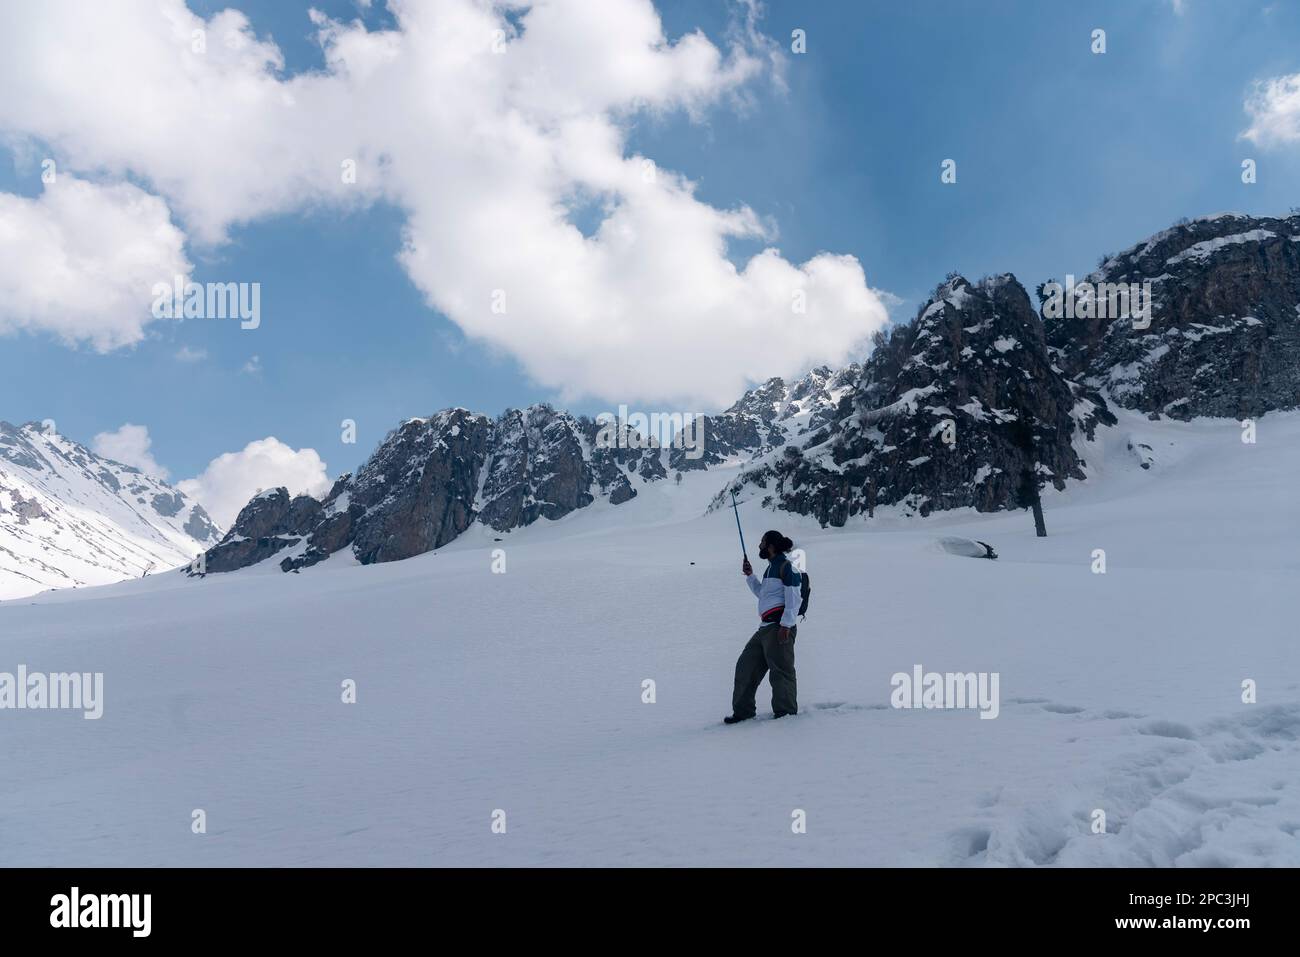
x=805 y=589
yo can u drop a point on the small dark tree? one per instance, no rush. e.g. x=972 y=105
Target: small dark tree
x=1029 y=492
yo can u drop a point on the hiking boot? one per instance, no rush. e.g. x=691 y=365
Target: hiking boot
x=736 y=718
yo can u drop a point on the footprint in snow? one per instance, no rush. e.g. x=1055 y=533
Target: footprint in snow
x=1062 y=708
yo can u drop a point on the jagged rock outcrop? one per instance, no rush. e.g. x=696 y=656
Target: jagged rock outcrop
x=432 y=478
x=537 y=469
x=818 y=395
x=932 y=423
x=766 y=418
x=417 y=491
x=617 y=455
x=1224 y=331
x=269 y=523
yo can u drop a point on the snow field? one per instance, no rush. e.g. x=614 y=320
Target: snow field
x=523 y=691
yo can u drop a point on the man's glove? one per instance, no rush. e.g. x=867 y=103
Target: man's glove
x=746 y=569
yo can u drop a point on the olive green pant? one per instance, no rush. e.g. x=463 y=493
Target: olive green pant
x=765 y=655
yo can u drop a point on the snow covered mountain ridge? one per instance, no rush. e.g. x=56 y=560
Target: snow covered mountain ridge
x=979 y=398
x=933 y=422
x=431 y=478
x=69 y=517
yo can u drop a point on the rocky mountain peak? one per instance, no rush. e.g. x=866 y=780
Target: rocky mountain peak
x=930 y=425
x=1222 y=336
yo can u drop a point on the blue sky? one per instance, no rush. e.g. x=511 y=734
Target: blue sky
x=1062 y=155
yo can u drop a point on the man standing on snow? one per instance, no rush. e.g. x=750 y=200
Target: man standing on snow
x=771 y=649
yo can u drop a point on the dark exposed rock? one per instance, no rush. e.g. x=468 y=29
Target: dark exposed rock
x=169 y=505
x=238 y=553
x=432 y=478
x=763 y=419
x=200 y=527
x=263 y=528
x=417 y=491
x=930 y=425
x=618 y=451
x=1224 y=333
x=264 y=515
x=622 y=491
x=820 y=392
x=747 y=428
x=652 y=467
x=537 y=469
x=16 y=448
x=28 y=509
x=334 y=528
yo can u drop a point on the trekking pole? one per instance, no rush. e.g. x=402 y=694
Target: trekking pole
x=738 y=529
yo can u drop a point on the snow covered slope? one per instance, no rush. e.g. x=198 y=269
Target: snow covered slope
x=523 y=691
x=69 y=517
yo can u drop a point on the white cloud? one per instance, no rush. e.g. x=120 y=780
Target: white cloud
x=252 y=367
x=230 y=480
x=488 y=153
x=1274 y=108
x=80 y=261
x=186 y=354
x=129 y=445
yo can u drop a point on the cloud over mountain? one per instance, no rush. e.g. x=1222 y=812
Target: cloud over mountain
x=1274 y=108
x=232 y=478
x=130 y=445
x=497 y=136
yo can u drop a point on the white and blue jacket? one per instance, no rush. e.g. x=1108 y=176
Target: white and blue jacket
x=777 y=591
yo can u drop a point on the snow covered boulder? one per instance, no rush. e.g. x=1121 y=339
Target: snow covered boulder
x=966 y=547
